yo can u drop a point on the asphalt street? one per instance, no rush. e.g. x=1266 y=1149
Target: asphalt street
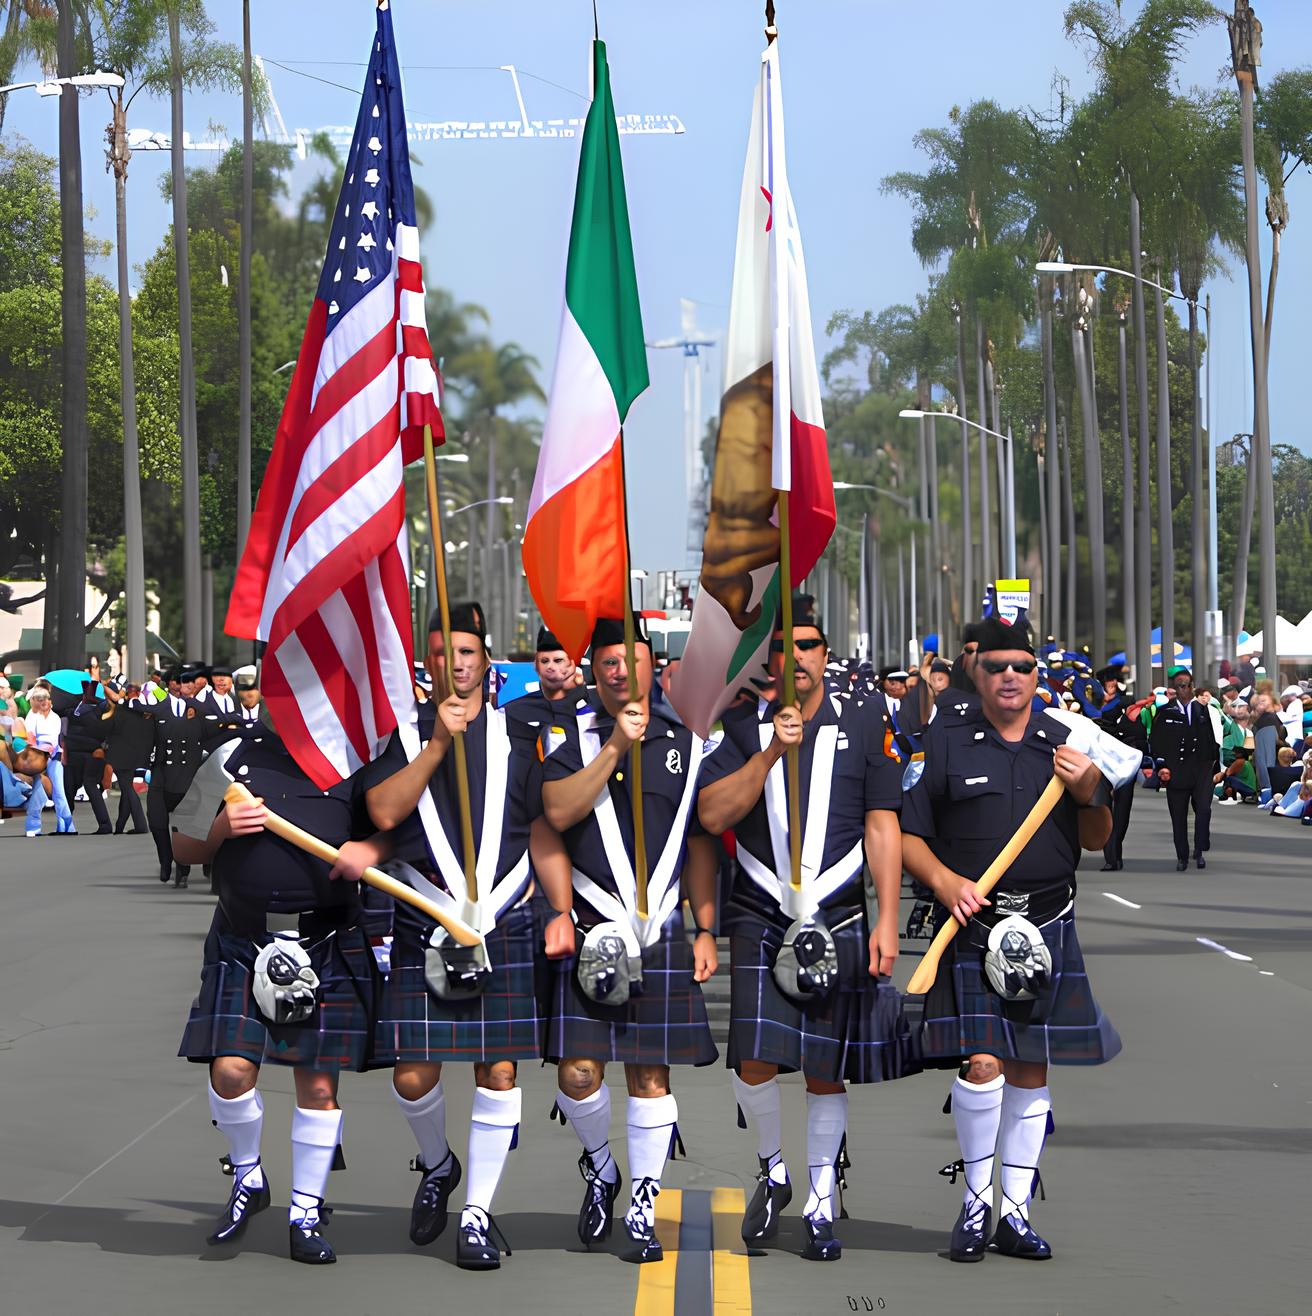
x=1177 y=1180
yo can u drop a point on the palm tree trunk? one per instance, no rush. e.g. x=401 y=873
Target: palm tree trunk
x=967 y=565
x=134 y=664
x=1043 y=537
x=941 y=619
x=1051 y=550
x=926 y=608
x=1165 y=498
x=1197 y=519
x=1082 y=347
x=1143 y=577
x=70 y=598
x=986 y=559
x=244 y=288
x=191 y=567
x=1068 y=507
x=1262 y=466
x=1128 y=613
x=1244 y=546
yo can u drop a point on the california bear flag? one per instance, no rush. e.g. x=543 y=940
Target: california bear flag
x=772 y=435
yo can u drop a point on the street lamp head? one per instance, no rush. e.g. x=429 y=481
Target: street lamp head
x=908 y=413
x=1054 y=267
x=451 y=456
x=100 y=78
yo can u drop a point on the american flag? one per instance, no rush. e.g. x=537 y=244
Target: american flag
x=324 y=579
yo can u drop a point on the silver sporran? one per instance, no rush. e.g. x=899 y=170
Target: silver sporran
x=454 y=972
x=608 y=973
x=1017 y=963
x=806 y=967
x=286 y=986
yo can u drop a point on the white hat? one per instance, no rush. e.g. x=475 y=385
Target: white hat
x=1292 y=692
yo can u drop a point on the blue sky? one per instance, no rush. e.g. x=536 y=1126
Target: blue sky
x=860 y=77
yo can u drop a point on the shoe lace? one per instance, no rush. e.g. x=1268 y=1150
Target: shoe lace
x=592 y=1174
x=429 y=1190
x=642 y=1209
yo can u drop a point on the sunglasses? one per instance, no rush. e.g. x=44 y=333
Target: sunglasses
x=806 y=645
x=1022 y=667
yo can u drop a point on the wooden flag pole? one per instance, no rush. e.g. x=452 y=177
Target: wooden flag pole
x=635 y=747
x=444 y=608
x=790 y=694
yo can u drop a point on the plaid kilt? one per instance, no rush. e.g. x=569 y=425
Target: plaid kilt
x=857 y=1034
x=225 y=1020
x=964 y=1016
x=505 y=1022
x=666 y=1025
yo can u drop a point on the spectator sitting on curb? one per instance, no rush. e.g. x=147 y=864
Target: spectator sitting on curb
x=1238 y=782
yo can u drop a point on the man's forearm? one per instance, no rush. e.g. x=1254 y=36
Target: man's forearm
x=570 y=800
x=883 y=843
x=551 y=865
x=921 y=862
x=392 y=801
x=728 y=801
x=700 y=875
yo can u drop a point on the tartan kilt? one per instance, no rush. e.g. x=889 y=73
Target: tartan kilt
x=857 y=1034
x=666 y=1025
x=505 y=1022
x=226 y=1021
x=964 y=1016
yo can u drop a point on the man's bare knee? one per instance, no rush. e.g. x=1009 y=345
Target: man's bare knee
x=414 y=1082
x=580 y=1078
x=232 y=1077
x=823 y=1087
x=498 y=1077
x=756 y=1072
x=315 y=1090
x=982 y=1069
x=647 y=1080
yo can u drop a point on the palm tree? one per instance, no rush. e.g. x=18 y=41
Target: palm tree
x=1082 y=352
x=27 y=30
x=244 y=285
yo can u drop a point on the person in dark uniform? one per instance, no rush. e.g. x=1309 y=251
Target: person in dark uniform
x=1185 y=743
x=961 y=687
x=84 y=754
x=219 y=694
x=181 y=734
x=246 y=686
x=586 y=796
x=275 y=898
x=1011 y=995
x=559 y=693
x=850 y=790
x=412 y=787
x=1117 y=720
x=130 y=740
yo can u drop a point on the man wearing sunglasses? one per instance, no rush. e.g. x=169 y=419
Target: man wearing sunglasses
x=1011 y=994
x=849 y=793
x=1185 y=742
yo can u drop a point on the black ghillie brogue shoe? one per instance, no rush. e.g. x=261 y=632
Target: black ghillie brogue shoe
x=821 y=1245
x=1016 y=1238
x=640 y=1222
x=596 y=1215
x=243 y=1202
x=761 y=1220
x=305 y=1242
x=428 y=1211
x=970 y=1234
x=480 y=1242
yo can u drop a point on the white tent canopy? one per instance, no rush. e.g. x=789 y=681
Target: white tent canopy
x=1293 y=642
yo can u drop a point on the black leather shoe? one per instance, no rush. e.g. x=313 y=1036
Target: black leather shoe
x=307 y=1245
x=1201 y=862
x=970 y=1234
x=476 y=1243
x=104 y=830
x=761 y=1222
x=180 y=878
x=243 y=1202
x=165 y=872
x=1108 y=867
x=643 y=1243
x=1015 y=1238
x=821 y=1245
x=1181 y=865
x=428 y=1211
x=596 y=1213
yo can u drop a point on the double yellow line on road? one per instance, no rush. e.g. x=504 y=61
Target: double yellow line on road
x=730 y=1289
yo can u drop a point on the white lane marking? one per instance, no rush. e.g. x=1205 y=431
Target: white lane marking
x=59 y=1201
x=1267 y=973
x=1121 y=900
x=1225 y=950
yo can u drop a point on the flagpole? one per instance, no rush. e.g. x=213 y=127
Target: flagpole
x=444 y=608
x=635 y=746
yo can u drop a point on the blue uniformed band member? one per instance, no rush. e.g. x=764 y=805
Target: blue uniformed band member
x=1116 y=719
x=852 y=1029
x=288 y=975
x=181 y=734
x=1186 y=744
x=587 y=797
x=1011 y=994
x=420 y=1024
x=559 y=694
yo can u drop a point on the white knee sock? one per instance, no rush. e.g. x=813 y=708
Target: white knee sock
x=762 y=1103
x=315 y=1135
x=492 y=1129
x=241 y=1120
x=1023 y=1128
x=651 y=1131
x=826 y=1122
x=591 y=1121
x=427 y=1120
x=976 y=1110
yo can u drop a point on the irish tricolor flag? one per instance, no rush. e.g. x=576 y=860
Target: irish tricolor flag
x=772 y=435
x=575 y=552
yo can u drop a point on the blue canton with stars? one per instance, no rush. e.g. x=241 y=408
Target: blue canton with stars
x=377 y=193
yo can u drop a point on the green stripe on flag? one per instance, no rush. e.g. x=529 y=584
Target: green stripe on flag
x=759 y=630
x=601 y=287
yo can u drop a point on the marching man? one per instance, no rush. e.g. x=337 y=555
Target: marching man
x=1015 y=996
x=631 y=994
x=814 y=996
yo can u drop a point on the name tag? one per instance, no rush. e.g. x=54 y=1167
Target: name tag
x=976 y=781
